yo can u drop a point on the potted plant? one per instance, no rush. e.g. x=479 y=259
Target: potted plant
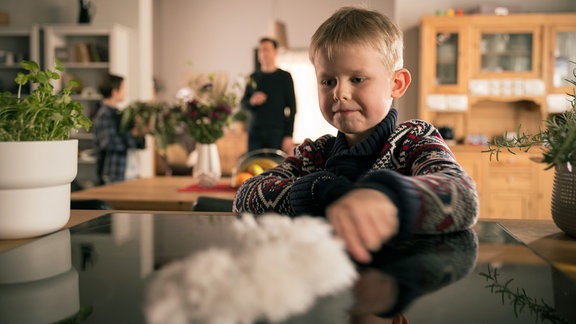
x=558 y=143
x=203 y=110
x=38 y=160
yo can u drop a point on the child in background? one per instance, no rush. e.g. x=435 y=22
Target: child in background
x=375 y=180
x=111 y=141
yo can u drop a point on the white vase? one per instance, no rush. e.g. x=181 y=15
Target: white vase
x=207 y=168
x=35 y=182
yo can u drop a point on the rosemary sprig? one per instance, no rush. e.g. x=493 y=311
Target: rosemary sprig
x=520 y=300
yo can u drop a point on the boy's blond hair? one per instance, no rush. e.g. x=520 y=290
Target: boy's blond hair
x=357 y=26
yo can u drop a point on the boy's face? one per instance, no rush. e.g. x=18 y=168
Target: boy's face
x=355 y=90
x=120 y=94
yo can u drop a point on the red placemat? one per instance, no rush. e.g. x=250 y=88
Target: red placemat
x=219 y=187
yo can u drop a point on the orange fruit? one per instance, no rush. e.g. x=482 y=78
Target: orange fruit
x=241 y=177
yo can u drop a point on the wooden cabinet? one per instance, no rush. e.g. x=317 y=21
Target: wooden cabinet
x=559 y=51
x=515 y=186
x=486 y=75
x=17 y=44
x=507 y=51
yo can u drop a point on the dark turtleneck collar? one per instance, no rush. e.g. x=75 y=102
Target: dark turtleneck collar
x=371 y=145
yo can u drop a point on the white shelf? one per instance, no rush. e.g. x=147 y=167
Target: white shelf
x=17 y=43
x=82 y=136
x=81 y=97
x=87 y=52
x=86 y=65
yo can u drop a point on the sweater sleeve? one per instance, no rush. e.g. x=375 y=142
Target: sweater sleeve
x=432 y=191
x=401 y=192
x=311 y=194
x=270 y=191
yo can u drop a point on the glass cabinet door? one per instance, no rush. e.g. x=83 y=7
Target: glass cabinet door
x=447 y=58
x=506 y=52
x=564 y=58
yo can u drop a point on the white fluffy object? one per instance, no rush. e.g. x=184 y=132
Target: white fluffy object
x=278 y=268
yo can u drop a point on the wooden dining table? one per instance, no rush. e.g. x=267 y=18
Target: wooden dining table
x=174 y=193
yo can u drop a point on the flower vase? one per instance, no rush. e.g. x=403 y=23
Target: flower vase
x=564 y=200
x=207 y=168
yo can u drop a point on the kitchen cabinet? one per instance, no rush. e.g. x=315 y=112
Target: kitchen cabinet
x=487 y=74
x=483 y=76
x=512 y=187
x=559 y=53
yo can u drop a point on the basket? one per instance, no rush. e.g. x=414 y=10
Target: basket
x=273 y=155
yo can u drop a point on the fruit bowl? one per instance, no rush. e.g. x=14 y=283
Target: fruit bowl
x=255 y=162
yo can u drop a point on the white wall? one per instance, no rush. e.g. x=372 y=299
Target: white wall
x=219 y=35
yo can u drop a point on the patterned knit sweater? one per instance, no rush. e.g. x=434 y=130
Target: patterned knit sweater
x=410 y=163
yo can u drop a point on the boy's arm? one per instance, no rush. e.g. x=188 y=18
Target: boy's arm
x=271 y=190
x=432 y=191
x=429 y=193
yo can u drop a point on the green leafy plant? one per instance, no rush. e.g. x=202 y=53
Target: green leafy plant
x=165 y=122
x=519 y=300
x=558 y=139
x=42 y=115
x=209 y=106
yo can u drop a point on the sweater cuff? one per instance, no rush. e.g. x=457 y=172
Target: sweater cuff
x=401 y=191
x=311 y=193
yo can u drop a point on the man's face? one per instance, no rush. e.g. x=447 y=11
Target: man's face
x=267 y=53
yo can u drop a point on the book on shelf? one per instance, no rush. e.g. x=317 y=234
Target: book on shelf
x=90 y=52
x=82 y=53
x=94 y=53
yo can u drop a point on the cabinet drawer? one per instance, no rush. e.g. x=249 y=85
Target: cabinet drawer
x=508 y=205
x=520 y=181
x=510 y=161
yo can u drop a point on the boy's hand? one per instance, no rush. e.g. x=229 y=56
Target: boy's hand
x=364 y=219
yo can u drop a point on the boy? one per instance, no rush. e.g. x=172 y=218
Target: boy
x=112 y=143
x=375 y=180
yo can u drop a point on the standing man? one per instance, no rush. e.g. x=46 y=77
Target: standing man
x=111 y=141
x=270 y=100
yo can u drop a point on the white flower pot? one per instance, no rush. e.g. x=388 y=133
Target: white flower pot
x=35 y=182
x=37 y=281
